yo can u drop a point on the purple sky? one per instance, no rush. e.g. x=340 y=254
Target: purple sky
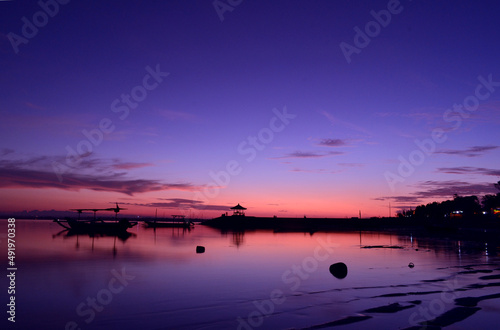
x=166 y=95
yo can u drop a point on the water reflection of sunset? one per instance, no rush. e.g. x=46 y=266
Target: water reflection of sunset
x=168 y=279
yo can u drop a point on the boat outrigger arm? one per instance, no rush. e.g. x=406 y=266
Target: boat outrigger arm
x=114 y=209
x=95 y=225
x=70 y=224
x=59 y=222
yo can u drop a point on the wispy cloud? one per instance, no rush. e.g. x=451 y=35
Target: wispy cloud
x=22 y=178
x=399 y=199
x=446 y=189
x=317 y=171
x=6 y=151
x=182 y=203
x=469 y=152
x=61 y=124
x=309 y=154
x=351 y=164
x=429 y=114
x=469 y=170
x=97 y=175
x=338 y=122
x=34 y=106
x=332 y=143
x=401 y=202
x=130 y=166
x=439 y=190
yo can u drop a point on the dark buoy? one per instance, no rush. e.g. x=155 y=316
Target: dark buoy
x=339 y=270
x=411 y=265
x=200 y=249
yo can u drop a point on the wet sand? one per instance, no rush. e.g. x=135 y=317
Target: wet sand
x=455 y=304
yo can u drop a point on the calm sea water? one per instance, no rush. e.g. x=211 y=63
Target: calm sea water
x=155 y=279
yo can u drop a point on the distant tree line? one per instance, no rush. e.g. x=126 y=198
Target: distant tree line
x=460 y=206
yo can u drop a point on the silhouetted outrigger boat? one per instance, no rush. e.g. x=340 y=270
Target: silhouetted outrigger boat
x=176 y=221
x=121 y=235
x=96 y=225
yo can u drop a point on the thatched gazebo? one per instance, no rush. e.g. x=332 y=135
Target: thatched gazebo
x=238 y=210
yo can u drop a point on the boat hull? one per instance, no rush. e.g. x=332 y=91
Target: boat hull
x=166 y=224
x=96 y=226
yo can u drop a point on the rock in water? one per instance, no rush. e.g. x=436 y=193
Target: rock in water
x=200 y=249
x=339 y=270
x=411 y=265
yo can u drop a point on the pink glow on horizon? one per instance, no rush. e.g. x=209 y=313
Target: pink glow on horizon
x=285 y=206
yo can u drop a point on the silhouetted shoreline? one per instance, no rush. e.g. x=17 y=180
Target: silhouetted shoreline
x=482 y=226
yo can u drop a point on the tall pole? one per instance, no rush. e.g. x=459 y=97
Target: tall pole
x=390 y=213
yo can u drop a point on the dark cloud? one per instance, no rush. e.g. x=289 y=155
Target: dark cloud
x=401 y=202
x=399 y=199
x=469 y=170
x=332 y=143
x=94 y=174
x=308 y=154
x=130 y=166
x=469 y=152
x=446 y=189
x=182 y=203
x=6 y=151
x=26 y=178
x=439 y=190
